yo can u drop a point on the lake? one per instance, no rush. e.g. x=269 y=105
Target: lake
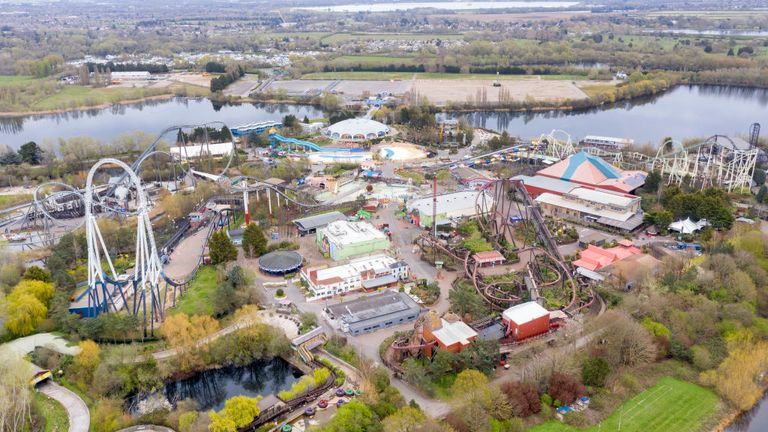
x=211 y=388
x=685 y=111
x=460 y=5
x=152 y=117
x=754 y=420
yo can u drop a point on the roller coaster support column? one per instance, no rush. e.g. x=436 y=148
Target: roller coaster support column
x=245 y=203
x=434 y=206
x=269 y=201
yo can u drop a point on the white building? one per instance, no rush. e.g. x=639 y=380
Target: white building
x=195 y=151
x=130 y=75
x=371 y=272
x=455 y=205
x=342 y=239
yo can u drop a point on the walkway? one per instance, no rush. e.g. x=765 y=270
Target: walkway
x=77 y=410
x=186 y=255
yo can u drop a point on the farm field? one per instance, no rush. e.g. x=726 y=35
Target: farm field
x=670 y=405
x=342 y=37
x=440 y=92
x=385 y=76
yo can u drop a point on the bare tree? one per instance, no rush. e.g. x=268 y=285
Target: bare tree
x=15 y=397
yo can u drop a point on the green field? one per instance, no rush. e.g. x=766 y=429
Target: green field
x=670 y=405
x=386 y=76
x=197 y=299
x=374 y=60
x=12 y=200
x=78 y=96
x=56 y=419
x=342 y=37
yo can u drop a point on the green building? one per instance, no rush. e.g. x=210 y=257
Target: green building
x=341 y=239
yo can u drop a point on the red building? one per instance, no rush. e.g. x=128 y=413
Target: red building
x=526 y=320
x=450 y=336
x=489 y=259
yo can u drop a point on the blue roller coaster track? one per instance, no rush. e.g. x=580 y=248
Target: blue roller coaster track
x=275 y=141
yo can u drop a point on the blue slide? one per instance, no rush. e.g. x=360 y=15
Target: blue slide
x=274 y=139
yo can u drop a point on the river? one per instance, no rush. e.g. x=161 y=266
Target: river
x=151 y=117
x=685 y=111
x=211 y=388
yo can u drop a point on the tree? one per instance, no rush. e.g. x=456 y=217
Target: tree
x=523 y=398
x=254 y=241
x=652 y=181
x=31 y=153
x=594 y=371
x=15 y=395
x=759 y=176
x=352 y=417
x=290 y=121
x=37 y=273
x=736 y=378
x=406 y=419
x=221 y=423
x=184 y=334
x=628 y=343
x=42 y=291
x=470 y=384
x=25 y=313
x=220 y=248
x=761 y=194
x=86 y=362
x=306 y=120
x=565 y=388
x=242 y=409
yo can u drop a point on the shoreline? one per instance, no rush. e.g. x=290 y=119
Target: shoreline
x=90 y=107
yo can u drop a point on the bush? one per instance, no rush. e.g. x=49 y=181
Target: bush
x=279 y=293
x=565 y=388
x=546 y=399
x=305 y=384
x=594 y=371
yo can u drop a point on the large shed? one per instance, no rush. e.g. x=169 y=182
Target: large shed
x=526 y=320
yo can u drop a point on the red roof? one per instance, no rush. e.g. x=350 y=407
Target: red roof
x=594 y=257
x=490 y=256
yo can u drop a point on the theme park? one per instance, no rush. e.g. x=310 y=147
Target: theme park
x=392 y=217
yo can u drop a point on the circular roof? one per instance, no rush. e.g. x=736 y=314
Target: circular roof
x=356 y=129
x=280 y=262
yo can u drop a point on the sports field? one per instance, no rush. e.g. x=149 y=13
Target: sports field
x=670 y=405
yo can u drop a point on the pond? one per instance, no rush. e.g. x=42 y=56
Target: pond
x=211 y=388
x=685 y=111
x=151 y=117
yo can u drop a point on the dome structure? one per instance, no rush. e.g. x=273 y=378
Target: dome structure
x=356 y=130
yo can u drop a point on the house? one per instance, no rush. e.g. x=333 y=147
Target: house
x=489 y=258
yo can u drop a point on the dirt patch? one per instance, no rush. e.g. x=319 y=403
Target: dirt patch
x=440 y=92
x=202 y=80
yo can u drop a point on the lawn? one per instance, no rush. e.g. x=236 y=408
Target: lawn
x=55 y=415
x=79 y=96
x=385 y=76
x=594 y=90
x=197 y=299
x=670 y=405
x=12 y=200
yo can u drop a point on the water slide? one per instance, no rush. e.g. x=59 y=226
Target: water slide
x=307 y=145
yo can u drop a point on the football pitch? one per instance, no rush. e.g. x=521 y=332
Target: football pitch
x=670 y=405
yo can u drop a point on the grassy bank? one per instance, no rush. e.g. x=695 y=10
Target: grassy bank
x=22 y=94
x=52 y=412
x=670 y=405
x=197 y=299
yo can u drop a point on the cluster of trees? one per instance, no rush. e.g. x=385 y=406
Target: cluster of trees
x=27 y=303
x=306 y=383
x=29 y=153
x=238 y=412
x=234 y=290
x=40 y=68
x=232 y=74
x=153 y=68
x=711 y=204
x=362 y=67
x=220 y=248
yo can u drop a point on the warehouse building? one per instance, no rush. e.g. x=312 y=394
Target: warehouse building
x=526 y=320
x=374 y=312
x=450 y=206
x=373 y=272
x=472 y=178
x=343 y=239
x=310 y=224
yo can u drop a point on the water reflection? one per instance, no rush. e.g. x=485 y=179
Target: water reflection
x=150 y=116
x=686 y=111
x=212 y=388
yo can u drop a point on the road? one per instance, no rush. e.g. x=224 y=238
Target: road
x=77 y=410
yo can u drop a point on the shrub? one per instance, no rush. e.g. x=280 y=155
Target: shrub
x=546 y=399
x=565 y=388
x=594 y=371
x=279 y=293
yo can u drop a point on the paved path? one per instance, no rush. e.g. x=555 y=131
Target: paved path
x=77 y=410
x=147 y=428
x=186 y=255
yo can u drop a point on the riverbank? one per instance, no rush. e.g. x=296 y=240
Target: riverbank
x=161 y=97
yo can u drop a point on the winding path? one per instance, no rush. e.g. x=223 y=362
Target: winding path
x=77 y=410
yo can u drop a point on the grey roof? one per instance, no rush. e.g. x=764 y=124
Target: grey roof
x=280 y=261
x=374 y=306
x=319 y=221
x=492 y=332
x=630 y=224
x=379 y=281
x=548 y=183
